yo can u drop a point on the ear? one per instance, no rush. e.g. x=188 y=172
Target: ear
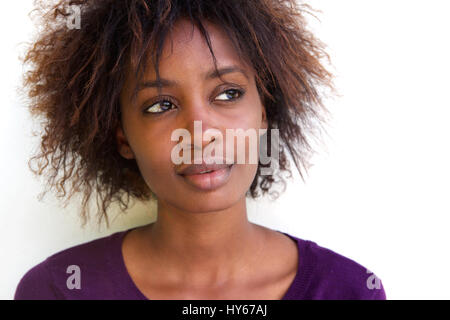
x=264 y=123
x=123 y=146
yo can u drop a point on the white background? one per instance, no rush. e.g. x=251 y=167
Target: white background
x=378 y=192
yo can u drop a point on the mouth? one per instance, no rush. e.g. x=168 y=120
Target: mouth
x=207 y=170
x=208 y=180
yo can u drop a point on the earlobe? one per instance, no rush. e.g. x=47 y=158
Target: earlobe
x=264 y=119
x=123 y=146
x=264 y=123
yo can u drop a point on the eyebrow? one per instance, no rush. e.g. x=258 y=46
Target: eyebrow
x=212 y=74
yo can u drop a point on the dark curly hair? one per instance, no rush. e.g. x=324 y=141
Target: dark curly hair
x=75 y=78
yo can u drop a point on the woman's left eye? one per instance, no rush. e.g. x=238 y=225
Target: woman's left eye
x=231 y=94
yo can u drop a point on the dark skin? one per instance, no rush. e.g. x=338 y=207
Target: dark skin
x=202 y=245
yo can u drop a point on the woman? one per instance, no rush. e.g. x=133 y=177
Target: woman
x=116 y=89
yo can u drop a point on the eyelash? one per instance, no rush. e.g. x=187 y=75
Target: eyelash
x=169 y=99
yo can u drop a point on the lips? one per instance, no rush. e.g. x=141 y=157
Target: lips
x=195 y=169
x=207 y=182
x=206 y=177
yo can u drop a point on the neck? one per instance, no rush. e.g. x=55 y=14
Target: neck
x=205 y=247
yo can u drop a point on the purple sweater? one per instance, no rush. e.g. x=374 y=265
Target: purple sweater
x=96 y=270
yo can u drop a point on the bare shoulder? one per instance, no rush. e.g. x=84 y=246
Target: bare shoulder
x=281 y=258
x=132 y=252
x=281 y=246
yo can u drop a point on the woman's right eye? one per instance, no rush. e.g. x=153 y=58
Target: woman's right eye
x=159 y=107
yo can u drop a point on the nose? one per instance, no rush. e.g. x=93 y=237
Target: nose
x=202 y=123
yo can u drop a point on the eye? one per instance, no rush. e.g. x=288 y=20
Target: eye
x=160 y=106
x=231 y=94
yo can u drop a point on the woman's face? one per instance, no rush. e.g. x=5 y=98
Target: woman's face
x=149 y=122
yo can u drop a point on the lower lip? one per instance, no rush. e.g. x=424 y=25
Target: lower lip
x=209 y=181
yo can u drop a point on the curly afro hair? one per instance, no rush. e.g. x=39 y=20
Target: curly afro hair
x=75 y=77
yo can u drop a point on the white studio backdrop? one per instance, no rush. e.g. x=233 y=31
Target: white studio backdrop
x=378 y=192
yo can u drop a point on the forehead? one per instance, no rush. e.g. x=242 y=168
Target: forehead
x=185 y=50
x=186 y=57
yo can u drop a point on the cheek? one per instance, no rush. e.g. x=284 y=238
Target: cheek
x=155 y=164
x=246 y=144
